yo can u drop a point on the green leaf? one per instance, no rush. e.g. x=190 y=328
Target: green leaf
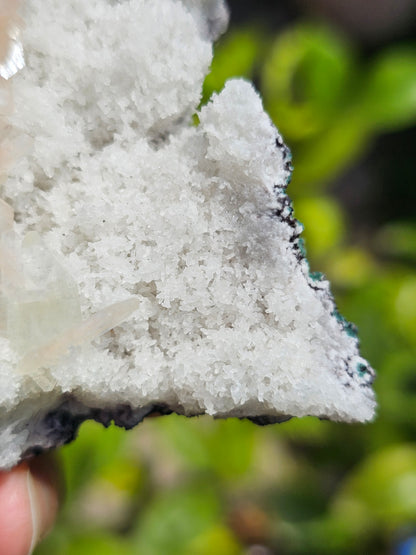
x=350 y=267
x=174 y=520
x=319 y=160
x=396 y=389
x=324 y=223
x=389 y=97
x=405 y=308
x=381 y=490
x=306 y=79
x=218 y=540
x=102 y=544
x=94 y=448
x=225 y=447
x=71 y=543
x=235 y=56
x=371 y=308
x=398 y=239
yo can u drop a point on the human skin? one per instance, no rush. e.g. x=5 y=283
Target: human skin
x=29 y=500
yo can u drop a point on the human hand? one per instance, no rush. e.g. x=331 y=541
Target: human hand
x=29 y=500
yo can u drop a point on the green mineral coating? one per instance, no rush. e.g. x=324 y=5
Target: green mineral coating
x=301 y=245
x=289 y=179
x=361 y=369
x=349 y=327
x=316 y=276
x=290 y=210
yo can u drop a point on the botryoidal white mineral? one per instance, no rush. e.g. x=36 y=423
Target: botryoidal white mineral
x=153 y=265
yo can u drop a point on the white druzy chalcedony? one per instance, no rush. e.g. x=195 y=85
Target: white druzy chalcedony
x=162 y=258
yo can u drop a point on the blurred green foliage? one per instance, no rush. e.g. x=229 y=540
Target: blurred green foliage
x=196 y=487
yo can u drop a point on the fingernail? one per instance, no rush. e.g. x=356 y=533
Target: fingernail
x=43 y=492
x=34 y=510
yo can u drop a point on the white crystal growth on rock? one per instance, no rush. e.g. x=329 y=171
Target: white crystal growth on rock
x=185 y=230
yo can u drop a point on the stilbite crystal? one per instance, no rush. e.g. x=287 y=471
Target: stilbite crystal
x=40 y=306
x=62 y=344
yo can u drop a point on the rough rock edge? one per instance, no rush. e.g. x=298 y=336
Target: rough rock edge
x=315 y=280
x=60 y=425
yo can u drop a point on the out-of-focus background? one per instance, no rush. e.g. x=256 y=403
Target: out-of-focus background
x=339 y=80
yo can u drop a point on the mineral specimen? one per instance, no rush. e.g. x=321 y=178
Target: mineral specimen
x=183 y=233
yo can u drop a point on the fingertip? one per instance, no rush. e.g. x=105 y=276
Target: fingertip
x=16 y=529
x=29 y=500
x=44 y=490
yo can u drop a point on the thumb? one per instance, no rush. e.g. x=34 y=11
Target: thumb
x=29 y=497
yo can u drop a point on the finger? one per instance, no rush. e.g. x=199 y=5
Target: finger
x=28 y=504
x=45 y=493
x=15 y=513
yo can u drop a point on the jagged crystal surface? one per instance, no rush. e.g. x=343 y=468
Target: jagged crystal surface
x=185 y=232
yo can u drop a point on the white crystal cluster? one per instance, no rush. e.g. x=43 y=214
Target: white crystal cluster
x=191 y=222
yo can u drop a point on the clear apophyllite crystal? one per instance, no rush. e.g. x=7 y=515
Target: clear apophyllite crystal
x=185 y=235
x=11 y=50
